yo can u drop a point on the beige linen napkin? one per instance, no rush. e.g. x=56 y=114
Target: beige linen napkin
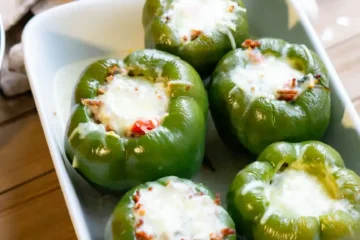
x=13 y=79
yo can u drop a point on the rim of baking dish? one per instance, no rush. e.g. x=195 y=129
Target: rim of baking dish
x=72 y=202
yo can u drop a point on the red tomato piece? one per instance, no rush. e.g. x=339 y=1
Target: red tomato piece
x=141 y=127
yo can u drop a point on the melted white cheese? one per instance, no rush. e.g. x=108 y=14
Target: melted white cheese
x=83 y=129
x=295 y=193
x=174 y=212
x=266 y=77
x=206 y=16
x=127 y=100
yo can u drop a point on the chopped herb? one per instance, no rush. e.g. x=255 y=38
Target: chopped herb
x=303 y=79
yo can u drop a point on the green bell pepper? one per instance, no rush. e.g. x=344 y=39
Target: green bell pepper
x=126 y=222
x=176 y=147
x=254 y=122
x=201 y=49
x=249 y=198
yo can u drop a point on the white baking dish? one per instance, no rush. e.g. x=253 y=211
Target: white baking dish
x=60 y=42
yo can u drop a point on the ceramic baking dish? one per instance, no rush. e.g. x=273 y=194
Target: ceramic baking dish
x=58 y=45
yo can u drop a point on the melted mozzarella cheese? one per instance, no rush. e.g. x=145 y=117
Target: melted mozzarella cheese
x=175 y=212
x=205 y=16
x=83 y=129
x=127 y=100
x=295 y=193
x=265 y=78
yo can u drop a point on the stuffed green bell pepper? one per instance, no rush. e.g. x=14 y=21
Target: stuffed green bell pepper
x=170 y=208
x=199 y=31
x=269 y=91
x=137 y=120
x=296 y=191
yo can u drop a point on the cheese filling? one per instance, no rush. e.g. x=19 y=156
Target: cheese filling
x=190 y=18
x=270 y=77
x=177 y=211
x=295 y=193
x=127 y=100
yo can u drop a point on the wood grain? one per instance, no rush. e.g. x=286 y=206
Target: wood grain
x=42 y=217
x=346 y=60
x=23 y=150
x=28 y=191
x=31 y=203
x=35 y=211
x=15 y=106
x=330 y=11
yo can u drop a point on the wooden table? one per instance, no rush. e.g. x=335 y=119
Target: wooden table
x=31 y=201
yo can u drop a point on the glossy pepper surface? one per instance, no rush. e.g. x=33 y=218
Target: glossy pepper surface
x=248 y=203
x=175 y=147
x=122 y=224
x=255 y=122
x=202 y=50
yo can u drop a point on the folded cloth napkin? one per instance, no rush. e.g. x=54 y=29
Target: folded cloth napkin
x=13 y=10
x=13 y=79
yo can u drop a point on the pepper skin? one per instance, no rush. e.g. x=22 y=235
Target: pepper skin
x=255 y=123
x=122 y=226
x=247 y=208
x=203 y=52
x=176 y=147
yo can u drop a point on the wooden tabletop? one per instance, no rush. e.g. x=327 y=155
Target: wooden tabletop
x=31 y=202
